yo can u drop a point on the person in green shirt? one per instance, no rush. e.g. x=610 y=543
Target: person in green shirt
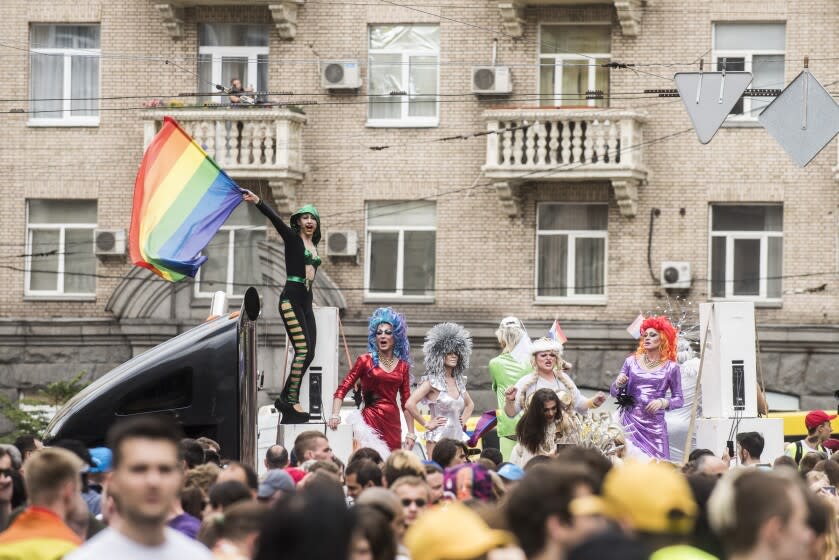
x=505 y=370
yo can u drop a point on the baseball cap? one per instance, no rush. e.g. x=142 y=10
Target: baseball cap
x=653 y=497
x=101 y=459
x=511 y=472
x=275 y=479
x=816 y=418
x=453 y=532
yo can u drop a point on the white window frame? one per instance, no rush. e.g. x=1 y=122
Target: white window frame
x=229 y=287
x=68 y=119
x=400 y=262
x=747 y=55
x=730 y=237
x=59 y=291
x=404 y=121
x=573 y=235
x=219 y=52
x=559 y=59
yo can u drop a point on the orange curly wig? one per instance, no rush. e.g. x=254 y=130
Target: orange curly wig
x=667 y=333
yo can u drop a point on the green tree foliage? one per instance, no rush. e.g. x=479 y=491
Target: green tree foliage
x=35 y=422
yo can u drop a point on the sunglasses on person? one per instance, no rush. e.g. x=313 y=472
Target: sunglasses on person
x=408 y=501
x=386 y=331
x=6 y=472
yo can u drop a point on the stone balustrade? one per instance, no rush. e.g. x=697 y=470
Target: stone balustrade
x=565 y=145
x=247 y=142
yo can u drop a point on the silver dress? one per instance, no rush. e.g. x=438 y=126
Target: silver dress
x=451 y=409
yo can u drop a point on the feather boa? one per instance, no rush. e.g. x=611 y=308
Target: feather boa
x=365 y=435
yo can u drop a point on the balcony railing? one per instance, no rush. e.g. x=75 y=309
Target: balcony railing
x=567 y=145
x=248 y=143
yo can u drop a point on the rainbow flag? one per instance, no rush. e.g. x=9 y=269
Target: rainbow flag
x=556 y=333
x=181 y=199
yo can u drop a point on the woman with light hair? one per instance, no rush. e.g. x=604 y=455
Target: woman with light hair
x=548 y=374
x=504 y=371
x=447 y=349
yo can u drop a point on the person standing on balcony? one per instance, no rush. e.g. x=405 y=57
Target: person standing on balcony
x=642 y=385
x=301 y=262
x=235 y=92
x=383 y=372
x=447 y=349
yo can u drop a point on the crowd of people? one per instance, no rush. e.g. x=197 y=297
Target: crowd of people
x=565 y=482
x=159 y=495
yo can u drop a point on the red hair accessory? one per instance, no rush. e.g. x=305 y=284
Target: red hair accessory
x=667 y=332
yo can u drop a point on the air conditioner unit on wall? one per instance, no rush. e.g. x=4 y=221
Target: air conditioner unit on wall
x=109 y=242
x=491 y=80
x=675 y=275
x=340 y=74
x=342 y=243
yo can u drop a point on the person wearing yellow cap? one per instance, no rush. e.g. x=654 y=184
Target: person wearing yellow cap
x=455 y=532
x=652 y=502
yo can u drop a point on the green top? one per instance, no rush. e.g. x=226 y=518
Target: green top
x=505 y=370
x=309 y=259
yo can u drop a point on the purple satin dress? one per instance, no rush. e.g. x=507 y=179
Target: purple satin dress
x=649 y=431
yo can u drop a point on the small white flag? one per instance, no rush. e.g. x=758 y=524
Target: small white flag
x=634 y=329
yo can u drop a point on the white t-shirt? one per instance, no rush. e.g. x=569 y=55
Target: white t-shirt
x=110 y=543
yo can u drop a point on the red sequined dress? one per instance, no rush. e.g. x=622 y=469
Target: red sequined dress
x=379 y=388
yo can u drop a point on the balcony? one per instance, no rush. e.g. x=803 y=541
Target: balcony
x=248 y=143
x=629 y=13
x=283 y=12
x=565 y=145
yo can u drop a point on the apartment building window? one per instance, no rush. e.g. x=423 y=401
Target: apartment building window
x=752 y=47
x=232 y=50
x=64 y=75
x=747 y=251
x=571 y=247
x=404 y=59
x=233 y=255
x=401 y=249
x=571 y=59
x=59 y=248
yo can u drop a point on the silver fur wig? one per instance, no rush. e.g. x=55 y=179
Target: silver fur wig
x=442 y=339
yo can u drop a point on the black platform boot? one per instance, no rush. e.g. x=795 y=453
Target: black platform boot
x=288 y=413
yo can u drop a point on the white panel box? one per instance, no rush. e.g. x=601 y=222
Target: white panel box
x=713 y=433
x=729 y=378
x=321 y=379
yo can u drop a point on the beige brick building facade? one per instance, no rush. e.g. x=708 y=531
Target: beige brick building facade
x=635 y=153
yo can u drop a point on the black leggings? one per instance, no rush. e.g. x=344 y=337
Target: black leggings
x=299 y=321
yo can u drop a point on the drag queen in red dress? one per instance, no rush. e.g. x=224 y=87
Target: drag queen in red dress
x=384 y=371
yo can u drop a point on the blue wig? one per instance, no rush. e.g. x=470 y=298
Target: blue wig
x=401 y=347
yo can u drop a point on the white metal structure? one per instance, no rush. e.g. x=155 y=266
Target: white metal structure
x=729 y=378
x=323 y=372
x=713 y=433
